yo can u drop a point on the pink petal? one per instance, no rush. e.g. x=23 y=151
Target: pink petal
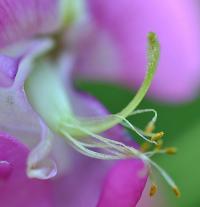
x=126 y=23
x=8 y=70
x=24 y=18
x=15 y=188
x=16 y=61
x=13 y=104
x=82 y=184
x=124 y=184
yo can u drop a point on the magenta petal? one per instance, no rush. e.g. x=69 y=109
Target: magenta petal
x=127 y=23
x=15 y=188
x=24 y=18
x=83 y=183
x=124 y=184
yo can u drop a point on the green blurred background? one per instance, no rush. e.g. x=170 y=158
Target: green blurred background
x=181 y=124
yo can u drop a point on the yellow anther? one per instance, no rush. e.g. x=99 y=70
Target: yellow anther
x=153 y=190
x=145 y=146
x=171 y=150
x=157 y=136
x=150 y=127
x=177 y=191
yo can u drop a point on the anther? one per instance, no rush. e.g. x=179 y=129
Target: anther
x=171 y=150
x=177 y=191
x=153 y=190
x=157 y=136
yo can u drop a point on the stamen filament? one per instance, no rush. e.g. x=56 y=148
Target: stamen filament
x=169 y=151
x=165 y=176
x=83 y=150
x=129 y=125
x=141 y=111
x=125 y=150
x=121 y=151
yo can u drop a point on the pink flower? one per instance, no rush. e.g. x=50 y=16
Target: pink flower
x=42 y=44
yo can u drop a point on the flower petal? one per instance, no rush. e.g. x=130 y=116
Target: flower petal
x=13 y=103
x=16 y=189
x=18 y=58
x=127 y=24
x=124 y=184
x=24 y=18
x=39 y=164
x=83 y=182
x=8 y=70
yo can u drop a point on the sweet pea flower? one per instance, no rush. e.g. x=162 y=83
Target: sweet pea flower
x=59 y=146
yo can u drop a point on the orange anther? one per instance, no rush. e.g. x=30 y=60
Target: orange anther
x=177 y=191
x=157 y=136
x=171 y=150
x=153 y=190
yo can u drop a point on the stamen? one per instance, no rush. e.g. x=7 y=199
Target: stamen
x=153 y=190
x=125 y=151
x=170 y=150
x=90 y=153
x=118 y=151
x=141 y=111
x=177 y=192
x=150 y=126
x=157 y=136
x=143 y=134
x=165 y=176
x=129 y=125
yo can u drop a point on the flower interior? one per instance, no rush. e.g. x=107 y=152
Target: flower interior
x=46 y=93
